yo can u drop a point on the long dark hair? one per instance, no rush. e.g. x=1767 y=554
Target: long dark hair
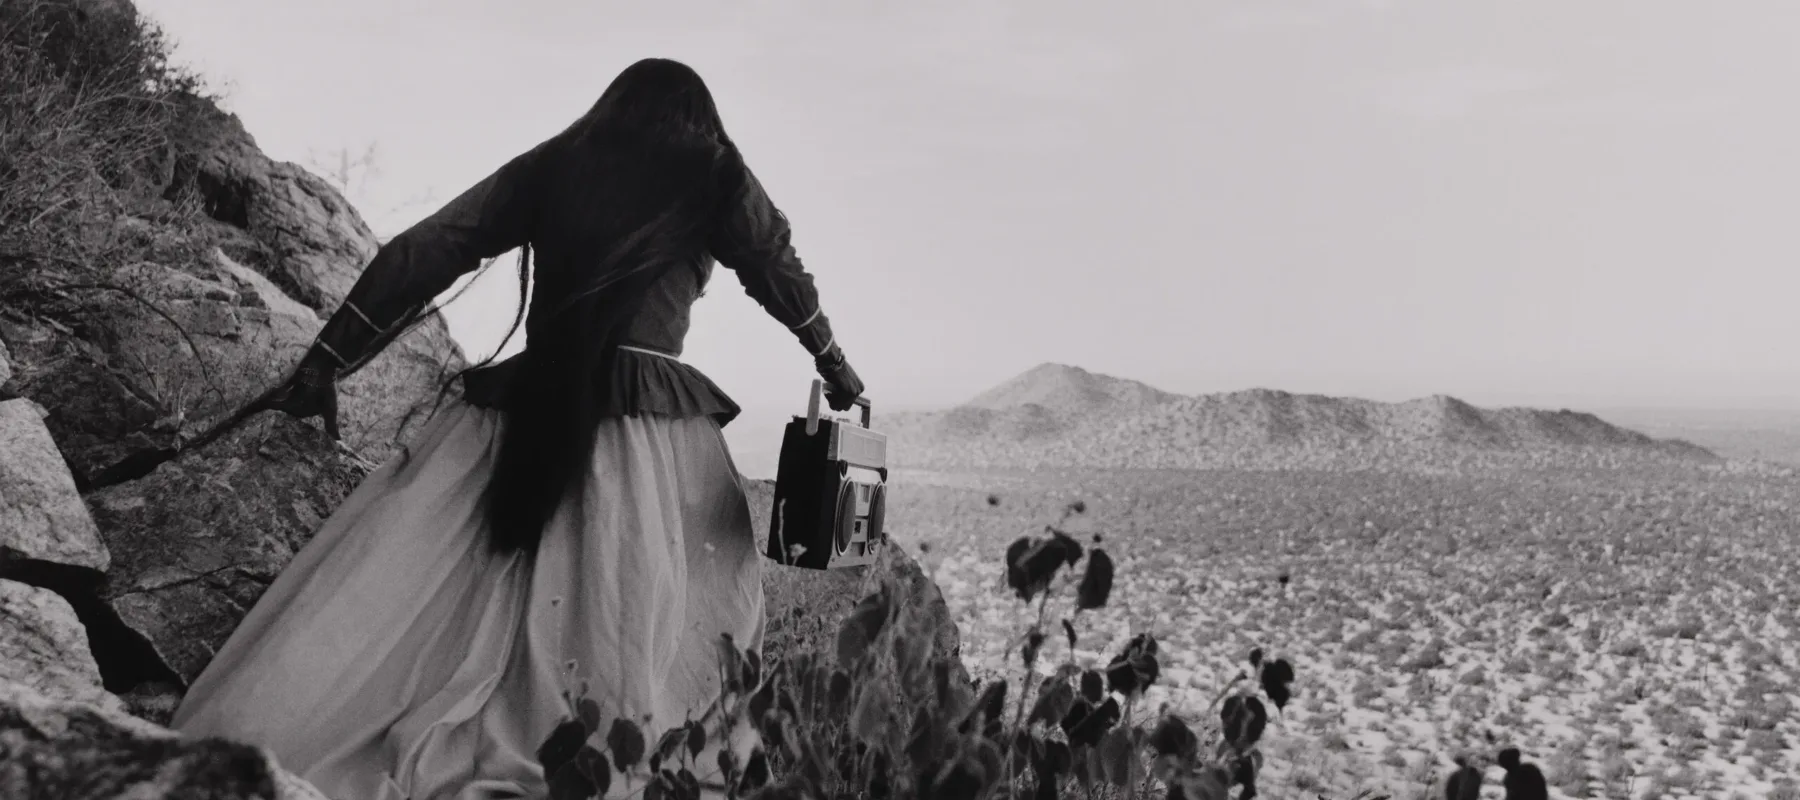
x=622 y=196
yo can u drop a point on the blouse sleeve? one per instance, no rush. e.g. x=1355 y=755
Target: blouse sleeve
x=754 y=242
x=413 y=268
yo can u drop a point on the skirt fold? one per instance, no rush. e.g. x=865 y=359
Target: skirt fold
x=397 y=657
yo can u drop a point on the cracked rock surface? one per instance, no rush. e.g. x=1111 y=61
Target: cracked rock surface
x=197 y=541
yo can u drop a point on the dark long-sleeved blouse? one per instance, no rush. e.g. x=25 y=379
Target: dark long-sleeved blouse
x=493 y=217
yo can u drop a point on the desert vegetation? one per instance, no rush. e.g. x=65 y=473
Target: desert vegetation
x=93 y=117
x=1618 y=633
x=1632 y=630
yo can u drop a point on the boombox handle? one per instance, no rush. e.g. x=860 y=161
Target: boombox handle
x=812 y=408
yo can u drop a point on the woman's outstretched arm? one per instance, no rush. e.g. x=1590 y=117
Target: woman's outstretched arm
x=754 y=242
x=422 y=262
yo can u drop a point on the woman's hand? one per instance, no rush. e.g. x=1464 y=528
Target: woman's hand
x=310 y=392
x=842 y=386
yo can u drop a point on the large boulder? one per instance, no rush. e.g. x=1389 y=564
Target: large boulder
x=806 y=606
x=44 y=646
x=42 y=518
x=199 y=539
x=53 y=747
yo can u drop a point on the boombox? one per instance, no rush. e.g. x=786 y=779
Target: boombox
x=830 y=492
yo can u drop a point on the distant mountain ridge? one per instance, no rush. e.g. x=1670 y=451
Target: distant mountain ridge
x=1060 y=416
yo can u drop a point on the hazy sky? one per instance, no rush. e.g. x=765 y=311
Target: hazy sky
x=1573 y=203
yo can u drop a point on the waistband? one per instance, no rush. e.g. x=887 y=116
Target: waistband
x=649 y=352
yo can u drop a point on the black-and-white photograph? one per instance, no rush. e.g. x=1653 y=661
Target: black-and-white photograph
x=926 y=400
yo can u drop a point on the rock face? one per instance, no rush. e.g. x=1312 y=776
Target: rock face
x=136 y=357
x=201 y=537
x=41 y=515
x=284 y=221
x=58 y=748
x=234 y=259
x=44 y=647
x=805 y=607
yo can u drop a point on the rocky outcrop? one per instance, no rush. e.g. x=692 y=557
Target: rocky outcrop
x=138 y=356
x=236 y=259
x=70 y=750
x=276 y=217
x=296 y=237
x=62 y=734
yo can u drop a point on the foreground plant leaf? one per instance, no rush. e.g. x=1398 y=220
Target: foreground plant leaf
x=753 y=667
x=910 y=657
x=667 y=745
x=1119 y=757
x=594 y=765
x=696 y=739
x=1053 y=702
x=1121 y=678
x=684 y=784
x=589 y=712
x=626 y=741
x=837 y=695
x=1208 y=783
x=962 y=779
x=1244 y=774
x=568 y=783
x=1276 y=675
x=1243 y=719
x=1096 y=583
x=925 y=739
x=1077 y=712
x=1015 y=566
x=861 y=627
x=756 y=770
x=879 y=783
x=1095 y=724
x=1057 y=759
x=1093 y=686
x=1032 y=564
x=1172 y=737
x=1135 y=668
x=1034 y=641
x=562 y=745
x=869 y=721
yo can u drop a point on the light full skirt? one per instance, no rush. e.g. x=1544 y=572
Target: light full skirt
x=397 y=658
